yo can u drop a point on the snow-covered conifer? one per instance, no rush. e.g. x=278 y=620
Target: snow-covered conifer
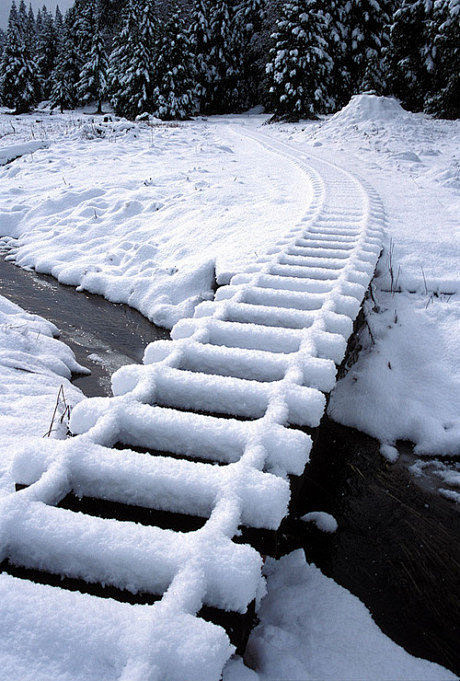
x=216 y=42
x=31 y=31
x=444 y=99
x=200 y=39
x=409 y=58
x=84 y=25
x=2 y=43
x=18 y=82
x=300 y=67
x=92 y=85
x=367 y=27
x=132 y=60
x=225 y=54
x=337 y=40
x=58 y=23
x=46 y=50
x=175 y=92
x=66 y=73
x=250 y=17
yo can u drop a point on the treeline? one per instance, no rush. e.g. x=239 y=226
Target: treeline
x=175 y=59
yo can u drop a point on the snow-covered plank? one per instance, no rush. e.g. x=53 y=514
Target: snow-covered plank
x=128 y=555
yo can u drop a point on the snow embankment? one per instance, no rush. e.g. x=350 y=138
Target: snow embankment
x=406 y=383
x=312 y=629
x=33 y=367
x=14 y=151
x=148 y=214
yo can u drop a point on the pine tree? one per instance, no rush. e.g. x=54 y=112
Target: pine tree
x=39 y=21
x=225 y=54
x=46 y=50
x=2 y=43
x=217 y=45
x=335 y=35
x=18 y=82
x=409 y=56
x=85 y=11
x=250 y=17
x=58 y=23
x=300 y=68
x=132 y=61
x=444 y=100
x=367 y=23
x=200 y=40
x=66 y=73
x=31 y=31
x=93 y=79
x=175 y=91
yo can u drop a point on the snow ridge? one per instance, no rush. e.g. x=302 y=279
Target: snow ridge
x=263 y=352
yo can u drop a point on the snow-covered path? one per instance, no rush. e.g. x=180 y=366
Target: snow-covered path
x=263 y=352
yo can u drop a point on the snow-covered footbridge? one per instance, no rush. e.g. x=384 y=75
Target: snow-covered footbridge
x=201 y=442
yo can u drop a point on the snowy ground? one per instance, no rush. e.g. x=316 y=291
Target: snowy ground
x=311 y=629
x=145 y=215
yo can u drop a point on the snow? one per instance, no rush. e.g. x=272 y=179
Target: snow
x=390 y=453
x=61 y=648
x=323 y=521
x=406 y=386
x=146 y=214
x=312 y=629
x=368 y=109
x=309 y=324
x=439 y=474
x=450 y=494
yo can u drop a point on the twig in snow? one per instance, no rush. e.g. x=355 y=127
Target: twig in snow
x=370 y=332
x=390 y=264
x=424 y=281
x=66 y=412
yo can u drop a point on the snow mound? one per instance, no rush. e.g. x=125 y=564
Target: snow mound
x=14 y=151
x=323 y=521
x=406 y=156
x=363 y=108
x=448 y=175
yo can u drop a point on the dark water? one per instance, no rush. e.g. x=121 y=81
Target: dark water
x=104 y=336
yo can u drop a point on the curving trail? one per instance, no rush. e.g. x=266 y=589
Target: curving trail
x=208 y=441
